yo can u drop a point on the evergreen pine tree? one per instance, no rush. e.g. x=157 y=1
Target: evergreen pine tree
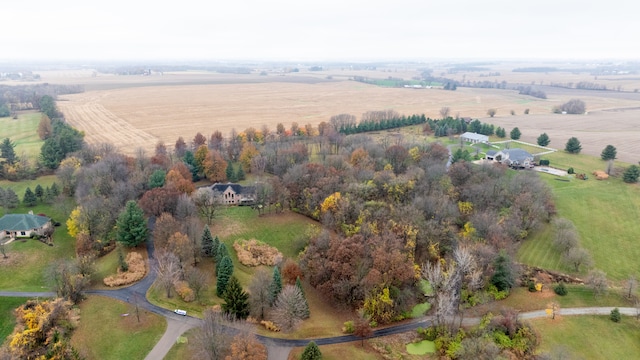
x=306 y=303
x=502 y=277
x=311 y=352
x=240 y=174
x=215 y=247
x=515 y=134
x=7 y=151
x=231 y=175
x=30 y=198
x=631 y=174
x=54 y=189
x=225 y=271
x=543 y=139
x=609 y=153
x=11 y=199
x=222 y=252
x=131 y=225
x=48 y=195
x=573 y=146
x=39 y=191
x=276 y=285
x=207 y=242
x=236 y=300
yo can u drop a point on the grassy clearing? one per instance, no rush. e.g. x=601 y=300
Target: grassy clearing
x=23 y=132
x=21 y=186
x=29 y=259
x=104 y=333
x=7 y=319
x=605 y=214
x=590 y=337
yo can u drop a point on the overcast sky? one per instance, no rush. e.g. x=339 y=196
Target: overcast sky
x=318 y=30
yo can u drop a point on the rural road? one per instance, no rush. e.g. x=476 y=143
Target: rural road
x=278 y=349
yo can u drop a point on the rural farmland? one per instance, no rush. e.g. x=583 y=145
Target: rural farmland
x=134 y=111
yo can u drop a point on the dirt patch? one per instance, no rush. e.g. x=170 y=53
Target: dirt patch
x=12 y=259
x=228 y=228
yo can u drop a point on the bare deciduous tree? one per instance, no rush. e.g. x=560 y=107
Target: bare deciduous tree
x=207 y=203
x=212 y=339
x=259 y=295
x=246 y=346
x=597 y=281
x=632 y=285
x=289 y=308
x=445 y=111
x=168 y=270
x=577 y=257
x=566 y=236
x=197 y=280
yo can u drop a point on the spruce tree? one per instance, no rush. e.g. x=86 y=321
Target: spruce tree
x=502 y=277
x=48 y=195
x=222 y=252
x=11 y=199
x=231 y=175
x=240 y=174
x=131 y=225
x=236 y=300
x=543 y=139
x=631 y=174
x=30 y=198
x=609 y=153
x=7 y=151
x=207 y=242
x=215 y=247
x=54 y=190
x=39 y=191
x=225 y=271
x=515 y=134
x=573 y=146
x=276 y=285
x=311 y=352
x=306 y=303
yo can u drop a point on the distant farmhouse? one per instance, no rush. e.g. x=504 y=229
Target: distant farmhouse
x=23 y=225
x=474 y=138
x=515 y=158
x=235 y=194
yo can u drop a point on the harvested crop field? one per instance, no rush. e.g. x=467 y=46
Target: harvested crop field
x=134 y=111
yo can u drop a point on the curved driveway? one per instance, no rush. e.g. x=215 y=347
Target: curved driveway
x=278 y=349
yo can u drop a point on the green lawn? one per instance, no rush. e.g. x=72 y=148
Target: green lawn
x=104 y=333
x=28 y=259
x=7 y=319
x=606 y=215
x=23 y=132
x=590 y=337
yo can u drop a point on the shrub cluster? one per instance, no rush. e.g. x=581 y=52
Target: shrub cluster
x=254 y=253
x=137 y=270
x=184 y=291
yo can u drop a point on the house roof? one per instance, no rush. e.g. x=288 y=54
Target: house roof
x=491 y=152
x=18 y=222
x=237 y=188
x=474 y=136
x=517 y=154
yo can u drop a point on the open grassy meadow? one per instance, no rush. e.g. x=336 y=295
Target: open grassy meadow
x=589 y=337
x=605 y=214
x=7 y=319
x=106 y=333
x=23 y=132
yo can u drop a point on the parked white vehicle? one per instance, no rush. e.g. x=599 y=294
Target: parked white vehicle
x=180 y=312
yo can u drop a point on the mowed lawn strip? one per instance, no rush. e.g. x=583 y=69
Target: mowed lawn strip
x=105 y=333
x=23 y=132
x=590 y=337
x=7 y=319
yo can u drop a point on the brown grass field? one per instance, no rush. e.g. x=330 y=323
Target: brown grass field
x=136 y=111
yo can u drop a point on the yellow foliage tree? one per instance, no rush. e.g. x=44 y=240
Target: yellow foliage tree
x=331 y=203
x=75 y=225
x=465 y=207
x=249 y=151
x=379 y=306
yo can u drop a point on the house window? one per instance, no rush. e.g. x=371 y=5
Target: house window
x=23 y=233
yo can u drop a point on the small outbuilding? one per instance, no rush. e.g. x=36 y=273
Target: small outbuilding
x=474 y=138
